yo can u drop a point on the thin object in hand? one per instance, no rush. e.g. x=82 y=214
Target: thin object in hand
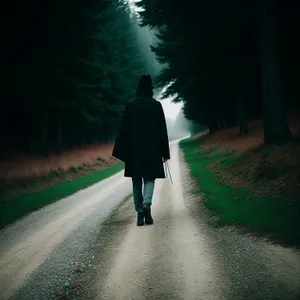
x=168 y=169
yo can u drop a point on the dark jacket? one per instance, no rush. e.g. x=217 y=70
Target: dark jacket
x=142 y=141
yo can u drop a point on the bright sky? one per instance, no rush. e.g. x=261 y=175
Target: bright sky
x=131 y=3
x=171 y=109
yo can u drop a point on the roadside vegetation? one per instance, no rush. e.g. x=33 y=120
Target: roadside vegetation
x=12 y=209
x=21 y=174
x=247 y=184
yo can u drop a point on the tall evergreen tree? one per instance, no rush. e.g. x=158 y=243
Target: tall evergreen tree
x=216 y=64
x=69 y=69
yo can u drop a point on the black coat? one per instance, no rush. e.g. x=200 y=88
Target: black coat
x=142 y=141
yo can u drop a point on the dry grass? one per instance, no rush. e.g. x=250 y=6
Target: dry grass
x=24 y=174
x=20 y=167
x=270 y=171
x=229 y=139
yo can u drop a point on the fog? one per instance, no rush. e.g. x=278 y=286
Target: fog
x=178 y=126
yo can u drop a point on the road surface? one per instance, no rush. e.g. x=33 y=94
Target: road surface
x=179 y=257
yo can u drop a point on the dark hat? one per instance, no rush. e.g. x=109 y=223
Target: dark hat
x=145 y=82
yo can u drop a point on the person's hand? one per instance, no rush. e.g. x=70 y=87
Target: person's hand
x=164 y=160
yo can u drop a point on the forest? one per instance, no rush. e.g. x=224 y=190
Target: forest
x=69 y=67
x=229 y=61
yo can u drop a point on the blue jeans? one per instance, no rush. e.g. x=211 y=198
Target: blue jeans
x=138 y=196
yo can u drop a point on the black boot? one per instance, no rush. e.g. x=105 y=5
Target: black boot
x=140 y=219
x=147 y=213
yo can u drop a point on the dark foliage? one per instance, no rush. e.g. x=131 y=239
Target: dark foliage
x=68 y=69
x=229 y=60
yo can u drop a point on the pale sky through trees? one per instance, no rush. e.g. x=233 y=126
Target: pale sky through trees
x=171 y=109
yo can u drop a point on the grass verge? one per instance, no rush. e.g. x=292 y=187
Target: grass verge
x=18 y=207
x=272 y=217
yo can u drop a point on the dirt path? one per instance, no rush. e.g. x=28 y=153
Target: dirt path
x=26 y=245
x=179 y=257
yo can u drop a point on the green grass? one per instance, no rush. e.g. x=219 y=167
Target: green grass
x=275 y=218
x=13 y=209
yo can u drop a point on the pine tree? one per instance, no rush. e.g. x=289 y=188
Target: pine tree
x=71 y=67
x=213 y=59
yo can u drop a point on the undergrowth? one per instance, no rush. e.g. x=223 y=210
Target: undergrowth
x=272 y=217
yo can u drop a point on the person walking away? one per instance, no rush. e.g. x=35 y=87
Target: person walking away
x=142 y=144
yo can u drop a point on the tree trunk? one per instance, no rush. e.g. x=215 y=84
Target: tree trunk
x=242 y=118
x=59 y=134
x=213 y=127
x=84 y=138
x=44 y=135
x=276 y=127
